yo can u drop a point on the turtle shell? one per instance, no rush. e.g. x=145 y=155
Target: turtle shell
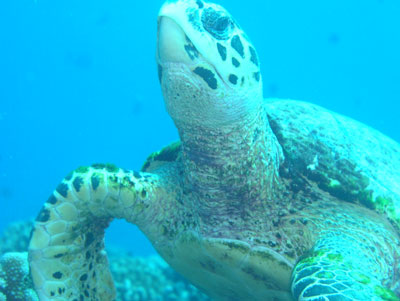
x=346 y=158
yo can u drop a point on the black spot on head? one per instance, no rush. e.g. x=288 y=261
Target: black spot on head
x=95 y=181
x=222 y=51
x=253 y=56
x=159 y=71
x=199 y=4
x=235 y=62
x=233 y=79
x=43 y=216
x=207 y=75
x=57 y=275
x=191 y=50
x=257 y=76
x=217 y=23
x=62 y=189
x=236 y=44
x=77 y=183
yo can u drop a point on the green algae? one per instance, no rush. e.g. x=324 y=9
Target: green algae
x=385 y=294
x=361 y=278
x=82 y=169
x=107 y=166
x=167 y=154
x=381 y=203
x=325 y=275
x=335 y=257
x=354 y=190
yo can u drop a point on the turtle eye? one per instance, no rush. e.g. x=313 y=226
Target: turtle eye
x=222 y=24
x=217 y=23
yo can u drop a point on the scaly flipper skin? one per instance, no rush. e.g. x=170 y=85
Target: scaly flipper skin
x=67 y=256
x=341 y=267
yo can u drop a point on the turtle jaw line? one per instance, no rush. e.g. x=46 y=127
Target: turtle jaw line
x=172 y=47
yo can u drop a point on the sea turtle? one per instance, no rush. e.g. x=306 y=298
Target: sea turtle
x=260 y=199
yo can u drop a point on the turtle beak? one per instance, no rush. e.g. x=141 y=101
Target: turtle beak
x=171 y=42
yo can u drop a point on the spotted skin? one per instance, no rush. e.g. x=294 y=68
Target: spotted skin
x=261 y=200
x=66 y=251
x=230 y=51
x=222 y=51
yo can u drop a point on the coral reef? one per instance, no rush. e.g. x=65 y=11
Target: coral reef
x=135 y=278
x=15 y=281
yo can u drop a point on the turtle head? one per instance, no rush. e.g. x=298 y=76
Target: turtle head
x=208 y=69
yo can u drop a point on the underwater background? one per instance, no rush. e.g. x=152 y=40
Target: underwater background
x=78 y=83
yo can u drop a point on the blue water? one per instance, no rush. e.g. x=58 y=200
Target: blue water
x=78 y=82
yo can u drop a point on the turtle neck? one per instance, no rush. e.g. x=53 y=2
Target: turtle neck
x=232 y=167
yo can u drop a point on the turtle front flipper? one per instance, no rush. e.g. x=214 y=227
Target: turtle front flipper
x=66 y=251
x=342 y=268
